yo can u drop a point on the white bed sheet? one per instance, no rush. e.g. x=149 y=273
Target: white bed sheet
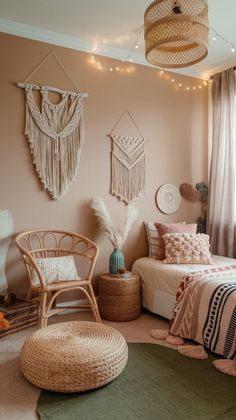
x=160 y=282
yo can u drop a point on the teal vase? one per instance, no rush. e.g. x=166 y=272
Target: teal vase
x=116 y=261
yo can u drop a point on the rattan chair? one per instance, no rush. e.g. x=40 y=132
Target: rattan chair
x=35 y=246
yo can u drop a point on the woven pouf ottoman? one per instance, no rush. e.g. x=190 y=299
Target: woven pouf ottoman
x=73 y=356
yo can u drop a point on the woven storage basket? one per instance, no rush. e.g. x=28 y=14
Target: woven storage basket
x=73 y=356
x=119 y=299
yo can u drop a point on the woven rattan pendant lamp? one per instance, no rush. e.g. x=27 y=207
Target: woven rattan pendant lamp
x=176 y=32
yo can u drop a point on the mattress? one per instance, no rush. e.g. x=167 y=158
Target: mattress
x=160 y=282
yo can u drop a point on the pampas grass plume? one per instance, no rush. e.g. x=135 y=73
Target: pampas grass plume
x=116 y=235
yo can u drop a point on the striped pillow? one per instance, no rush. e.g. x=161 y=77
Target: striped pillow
x=153 y=239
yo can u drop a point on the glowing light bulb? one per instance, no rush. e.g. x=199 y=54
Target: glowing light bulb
x=92 y=59
x=233 y=49
x=199 y=87
x=187 y=87
x=111 y=69
x=180 y=85
x=130 y=59
x=172 y=80
x=214 y=38
x=117 y=68
x=136 y=46
x=162 y=71
x=194 y=88
x=205 y=83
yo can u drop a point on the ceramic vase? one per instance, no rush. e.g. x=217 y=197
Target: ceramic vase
x=116 y=261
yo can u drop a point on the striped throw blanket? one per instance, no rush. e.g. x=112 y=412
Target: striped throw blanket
x=205 y=309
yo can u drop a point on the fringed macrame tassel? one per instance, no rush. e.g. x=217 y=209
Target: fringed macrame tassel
x=128 y=184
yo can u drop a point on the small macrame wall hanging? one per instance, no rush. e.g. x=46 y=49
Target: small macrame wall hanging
x=55 y=133
x=127 y=164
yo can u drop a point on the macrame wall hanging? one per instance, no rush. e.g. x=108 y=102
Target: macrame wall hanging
x=55 y=133
x=127 y=164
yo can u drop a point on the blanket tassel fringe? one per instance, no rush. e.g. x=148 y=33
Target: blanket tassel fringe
x=226 y=366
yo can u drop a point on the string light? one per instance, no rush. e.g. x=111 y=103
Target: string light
x=129 y=58
x=138 y=31
x=135 y=46
x=217 y=36
x=162 y=73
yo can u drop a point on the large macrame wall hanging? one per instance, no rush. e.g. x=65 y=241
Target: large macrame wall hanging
x=127 y=164
x=55 y=134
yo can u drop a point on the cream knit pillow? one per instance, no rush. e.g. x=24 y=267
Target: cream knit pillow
x=187 y=248
x=163 y=228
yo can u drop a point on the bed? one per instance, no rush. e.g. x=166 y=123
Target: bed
x=160 y=282
x=200 y=300
x=184 y=283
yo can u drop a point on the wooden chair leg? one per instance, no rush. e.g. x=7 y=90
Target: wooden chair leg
x=29 y=294
x=95 y=305
x=42 y=310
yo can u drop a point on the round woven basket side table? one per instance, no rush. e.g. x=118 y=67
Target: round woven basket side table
x=119 y=298
x=73 y=356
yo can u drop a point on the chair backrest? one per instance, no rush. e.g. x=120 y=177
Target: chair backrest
x=40 y=243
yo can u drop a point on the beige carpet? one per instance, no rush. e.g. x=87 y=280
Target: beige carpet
x=18 y=397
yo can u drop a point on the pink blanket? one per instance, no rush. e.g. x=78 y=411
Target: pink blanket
x=205 y=309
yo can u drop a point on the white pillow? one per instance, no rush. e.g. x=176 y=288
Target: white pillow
x=56 y=269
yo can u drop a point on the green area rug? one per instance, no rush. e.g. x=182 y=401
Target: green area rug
x=157 y=384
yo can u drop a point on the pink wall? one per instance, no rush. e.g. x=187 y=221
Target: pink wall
x=174 y=121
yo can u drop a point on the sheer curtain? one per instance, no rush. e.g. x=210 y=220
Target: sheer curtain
x=222 y=194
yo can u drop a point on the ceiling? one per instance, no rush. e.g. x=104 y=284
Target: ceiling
x=109 y=27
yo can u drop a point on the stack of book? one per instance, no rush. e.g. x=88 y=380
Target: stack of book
x=20 y=315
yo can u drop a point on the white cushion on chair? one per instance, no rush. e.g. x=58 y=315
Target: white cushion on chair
x=56 y=269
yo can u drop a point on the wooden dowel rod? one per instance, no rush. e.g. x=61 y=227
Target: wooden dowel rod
x=51 y=89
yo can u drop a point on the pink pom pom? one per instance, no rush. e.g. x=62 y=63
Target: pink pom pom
x=173 y=339
x=226 y=366
x=195 y=352
x=159 y=334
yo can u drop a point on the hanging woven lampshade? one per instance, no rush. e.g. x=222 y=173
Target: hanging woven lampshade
x=176 y=32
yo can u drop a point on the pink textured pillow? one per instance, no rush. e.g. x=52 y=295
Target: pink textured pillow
x=163 y=228
x=187 y=248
